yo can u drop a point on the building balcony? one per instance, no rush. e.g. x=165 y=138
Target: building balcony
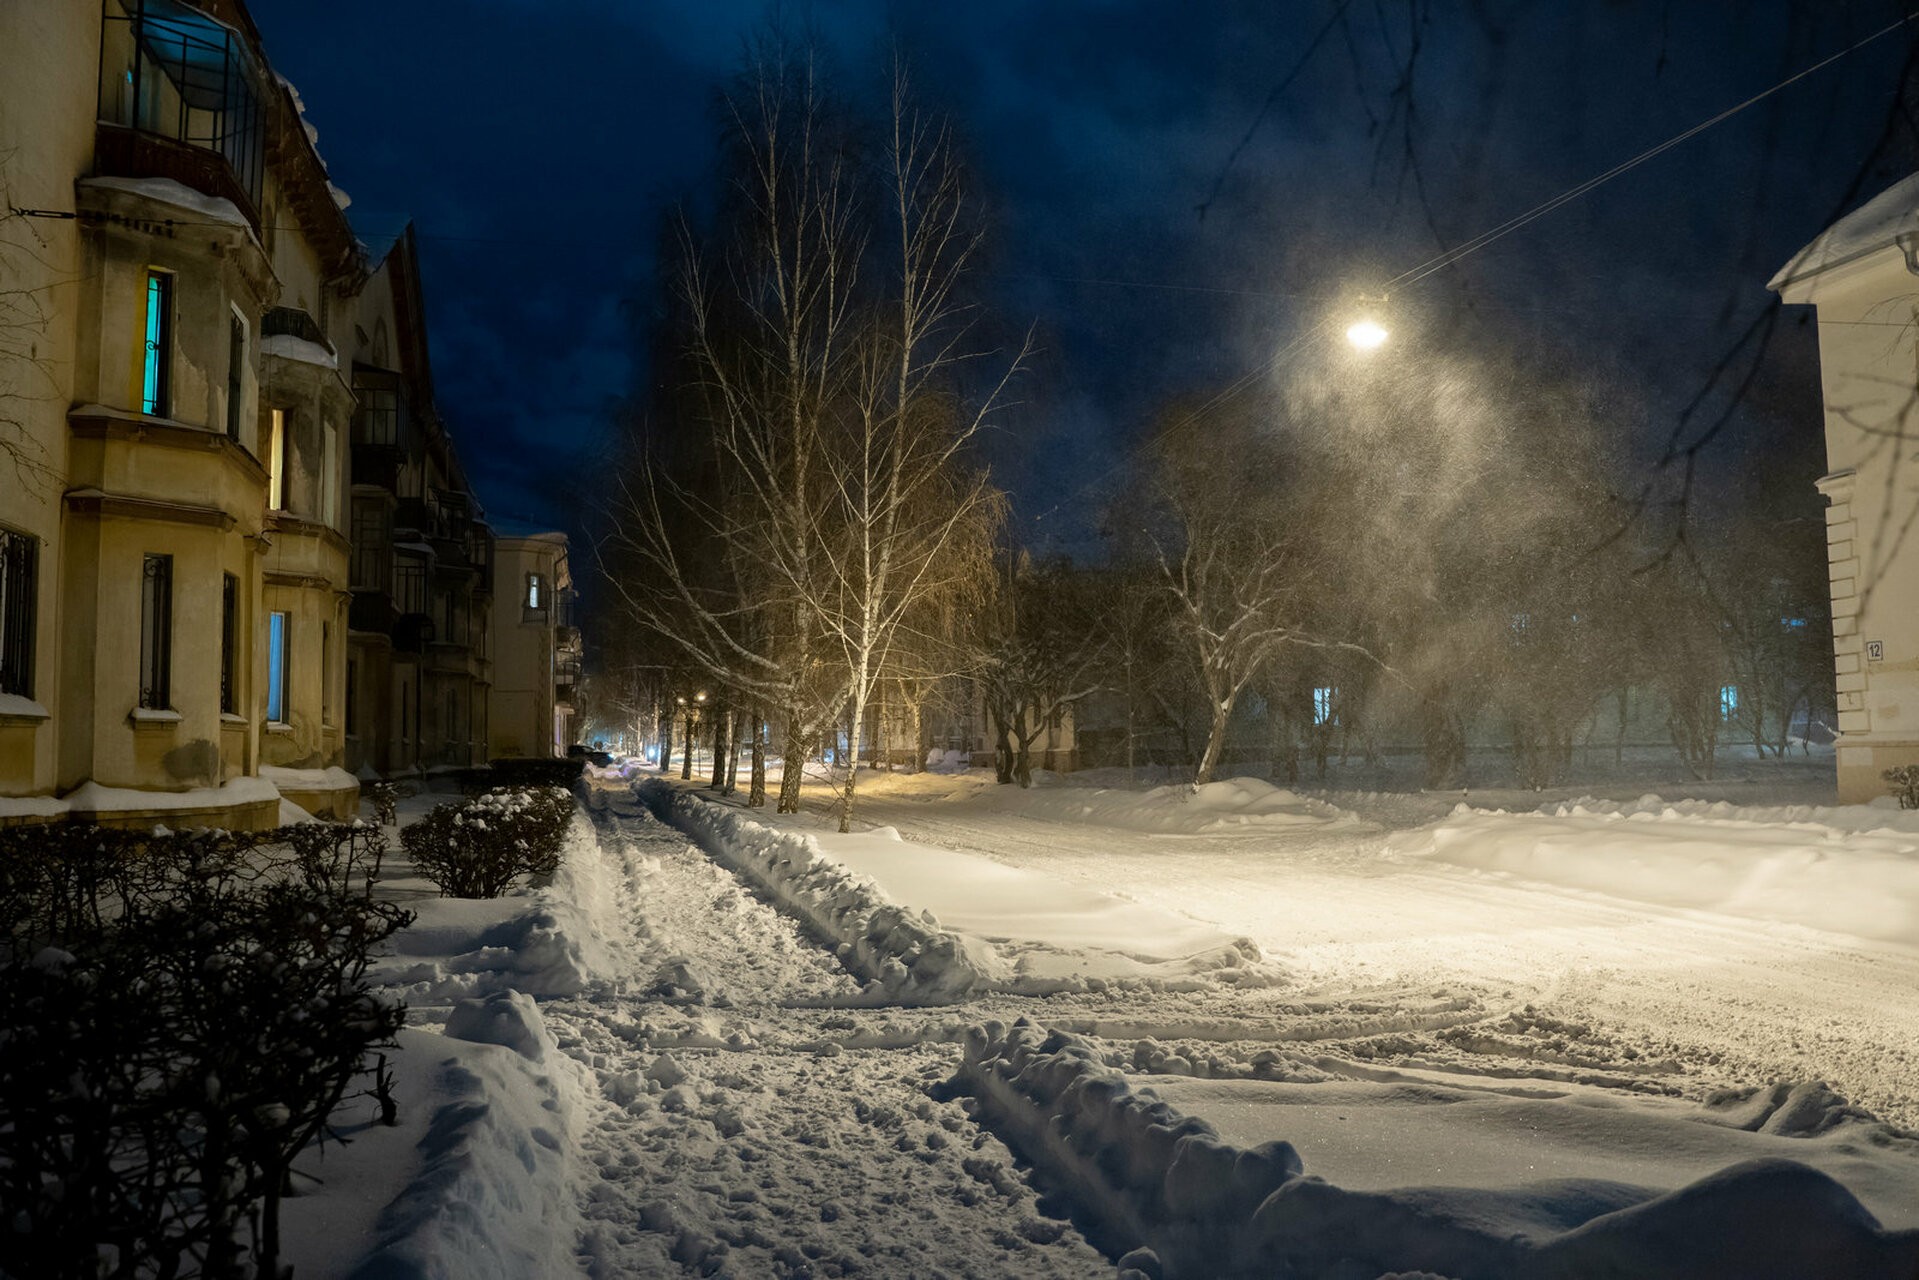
x=412 y=633
x=566 y=639
x=122 y=152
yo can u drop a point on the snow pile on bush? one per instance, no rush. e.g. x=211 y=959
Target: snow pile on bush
x=556 y=941
x=905 y=958
x=1789 y=867
x=1188 y=1204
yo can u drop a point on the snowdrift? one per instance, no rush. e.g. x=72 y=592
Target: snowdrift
x=1847 y=871
x=1189 y=1204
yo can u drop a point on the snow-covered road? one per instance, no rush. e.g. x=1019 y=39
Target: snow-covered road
x=1693 y=999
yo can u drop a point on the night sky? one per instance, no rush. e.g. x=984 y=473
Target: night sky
x=536 y=147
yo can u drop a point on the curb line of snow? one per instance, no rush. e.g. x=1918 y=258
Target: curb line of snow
x=1191 y=1205
x=492 y=1197
x=904 y=958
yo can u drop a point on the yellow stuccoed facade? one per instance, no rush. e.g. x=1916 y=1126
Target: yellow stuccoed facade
x=99 y=476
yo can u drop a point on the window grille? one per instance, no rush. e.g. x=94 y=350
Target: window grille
x=19 y=562
x=156 y=632
x=229 y=642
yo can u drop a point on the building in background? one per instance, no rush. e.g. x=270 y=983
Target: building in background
x=172 y=563
x=536 y=647
x=418 y=666
x=1860 y=274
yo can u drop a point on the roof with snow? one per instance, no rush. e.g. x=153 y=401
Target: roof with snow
x=1875 y=225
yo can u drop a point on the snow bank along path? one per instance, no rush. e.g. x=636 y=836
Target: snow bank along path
x=927 y=925
x=1189 y=1204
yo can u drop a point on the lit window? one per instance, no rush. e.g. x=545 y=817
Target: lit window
x=535 y=592
x=276 y=461
x=277 y=667
x=1793 y=624
x=1323 y=712
x=1728 y=701
x=156 y=362
x=156 y=631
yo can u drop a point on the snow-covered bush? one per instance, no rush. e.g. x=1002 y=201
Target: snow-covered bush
x=1904 y=784
x=484 y=846
x=386 y=797
x=180 y=1015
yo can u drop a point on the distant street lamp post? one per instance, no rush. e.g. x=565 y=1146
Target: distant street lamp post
x=1367 y=333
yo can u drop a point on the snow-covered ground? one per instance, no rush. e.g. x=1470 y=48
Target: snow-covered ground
x=755 y=1047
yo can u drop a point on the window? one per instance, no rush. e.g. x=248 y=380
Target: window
x=378 y=418
x=157 y=356
x=406 y=694
x=1729 y=702
x=229 y=641
x=19 y=558
x=1324 y=710
x=278 y=627
x=372 y=558
x=276 y=461
x=535 y=593
x=156 y=632
x=409 y=584
x=326 y=673
x=236 y=369
x=352 y=705
x=1793 y=624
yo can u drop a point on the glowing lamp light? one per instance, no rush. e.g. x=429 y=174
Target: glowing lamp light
x=1367 y=334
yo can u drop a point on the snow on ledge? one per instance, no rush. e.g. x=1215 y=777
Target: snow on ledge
x=288 y=347
x=205 y=208
x=904 y=958
x=1166 y=1185
x=15 y=706
x=91 y=797
x=331 y=778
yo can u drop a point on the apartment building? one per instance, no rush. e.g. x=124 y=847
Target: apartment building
x=419 y=666
x=172 y=413
x=535 y=642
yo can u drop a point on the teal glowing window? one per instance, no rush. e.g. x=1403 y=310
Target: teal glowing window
x=277 y=667
x=159 y=341
x=1323 y=709
x=1729 y=702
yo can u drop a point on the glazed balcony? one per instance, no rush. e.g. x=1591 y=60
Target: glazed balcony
x=181 y=96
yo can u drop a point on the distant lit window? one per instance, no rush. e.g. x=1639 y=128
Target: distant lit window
x=277 y=636
x=1323 y=708
x=535 y=593
x=157 y=356
x=1793 y=624
x=1522 y=623
x=1728 y=701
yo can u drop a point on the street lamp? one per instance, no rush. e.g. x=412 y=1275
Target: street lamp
x=1367 y=334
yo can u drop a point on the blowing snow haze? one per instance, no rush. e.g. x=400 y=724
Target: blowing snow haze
x=1175 y=193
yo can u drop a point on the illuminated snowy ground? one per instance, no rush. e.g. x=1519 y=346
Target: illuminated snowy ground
x=1410 y=999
